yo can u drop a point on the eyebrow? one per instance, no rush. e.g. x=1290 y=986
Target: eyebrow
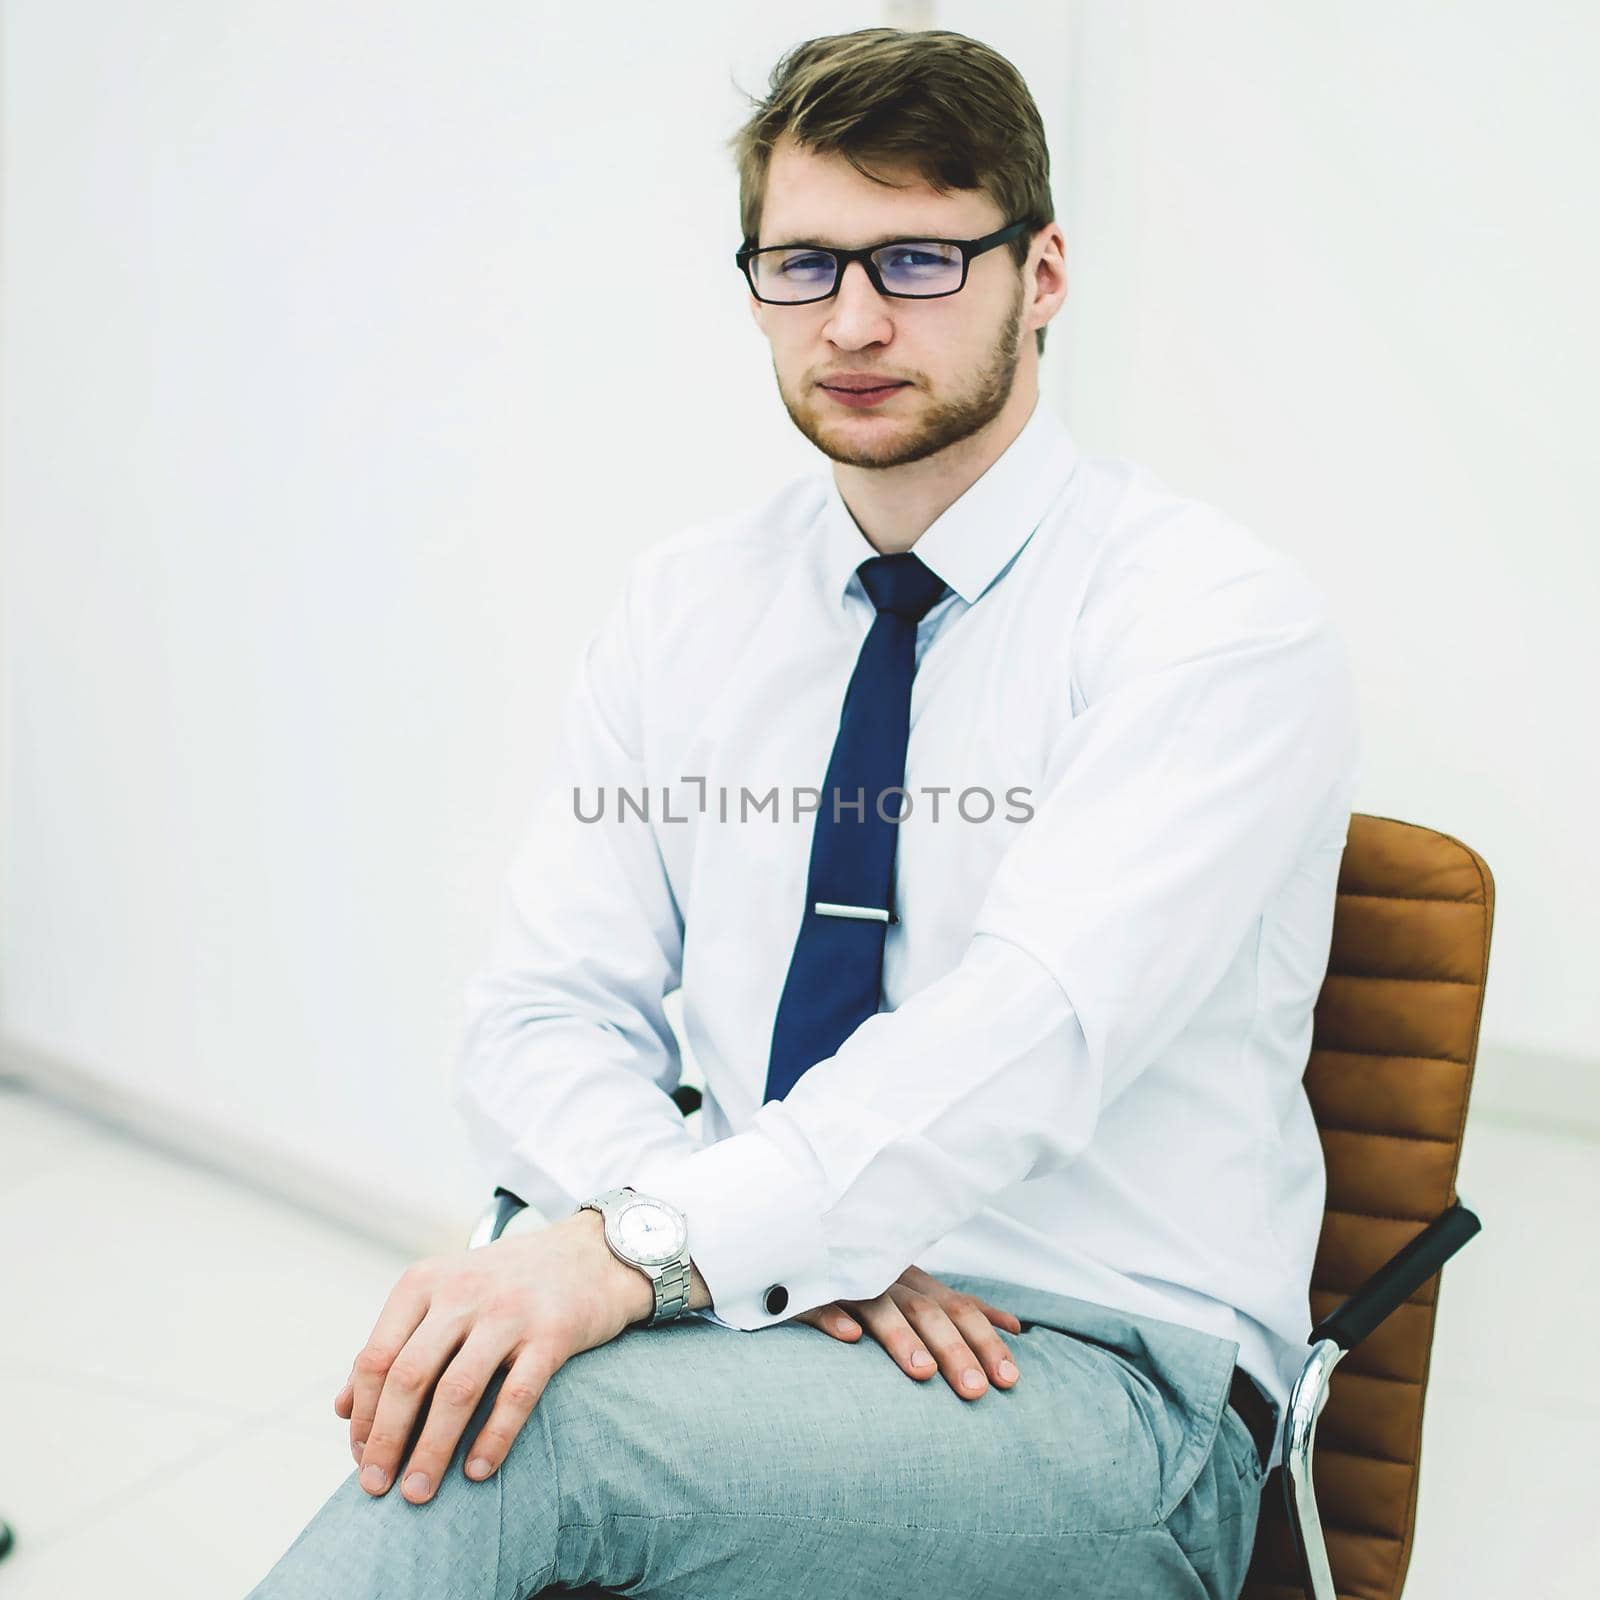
x=832 y=244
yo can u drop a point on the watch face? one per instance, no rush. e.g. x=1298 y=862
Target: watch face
x=649 y=1232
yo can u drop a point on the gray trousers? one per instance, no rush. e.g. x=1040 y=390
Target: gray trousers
x=697 y=1462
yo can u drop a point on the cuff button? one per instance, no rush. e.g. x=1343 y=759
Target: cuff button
x=777 y=1298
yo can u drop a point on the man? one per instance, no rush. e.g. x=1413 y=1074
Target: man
x=987 y=801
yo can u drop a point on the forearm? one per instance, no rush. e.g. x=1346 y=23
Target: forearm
x=969 y=1086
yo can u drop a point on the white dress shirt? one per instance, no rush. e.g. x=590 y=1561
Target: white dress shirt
x=1132 y=755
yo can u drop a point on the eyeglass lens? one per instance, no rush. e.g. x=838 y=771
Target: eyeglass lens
x=915 y=268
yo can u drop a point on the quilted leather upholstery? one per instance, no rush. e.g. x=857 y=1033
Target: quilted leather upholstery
x=1394 y=1041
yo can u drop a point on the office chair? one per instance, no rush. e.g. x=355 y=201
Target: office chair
x=1394 y=1039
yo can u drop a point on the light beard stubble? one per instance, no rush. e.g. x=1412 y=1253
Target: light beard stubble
x=947 y=423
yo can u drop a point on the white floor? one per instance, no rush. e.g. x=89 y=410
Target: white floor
x=170 y=1345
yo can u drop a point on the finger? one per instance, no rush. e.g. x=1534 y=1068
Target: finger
x=1001 y=1319
x=956 y=1358
x=831 y=1318
x=406 y=1390
x=343 y=1405
x=950 y=1351
x=455 y=1398
x=402 y=1312
x=532 y=1370
x=885 y=1321
x=965 y=1343
x=937 y=1289
x=971 y=1318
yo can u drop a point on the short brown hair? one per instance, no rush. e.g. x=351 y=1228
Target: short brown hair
x=945 y=105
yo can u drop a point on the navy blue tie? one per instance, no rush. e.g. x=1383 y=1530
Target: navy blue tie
x=835 y=977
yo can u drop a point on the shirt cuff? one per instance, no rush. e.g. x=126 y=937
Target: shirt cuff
x=755 y=1227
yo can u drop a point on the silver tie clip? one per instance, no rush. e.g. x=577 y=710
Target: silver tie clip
x=828 y=908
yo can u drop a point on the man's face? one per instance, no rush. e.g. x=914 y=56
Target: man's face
x=958 y=354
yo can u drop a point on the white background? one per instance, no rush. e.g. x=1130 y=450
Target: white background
x=330 y=415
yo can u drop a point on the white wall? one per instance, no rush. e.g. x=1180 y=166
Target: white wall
x=1336 y=268
x=327 y=425
x=325 y=432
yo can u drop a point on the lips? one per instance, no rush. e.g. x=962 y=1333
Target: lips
x=863 y=388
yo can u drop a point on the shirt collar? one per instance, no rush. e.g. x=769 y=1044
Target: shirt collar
x=973 y=539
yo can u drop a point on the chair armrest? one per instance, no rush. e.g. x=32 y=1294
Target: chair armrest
x=1344 y=1327
x=1398 y=1278
x=492 y=1220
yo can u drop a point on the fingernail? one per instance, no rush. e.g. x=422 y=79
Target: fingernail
x=1008 y=1370
x=972 y=1377
x=477 y=1467
x=374 y=1478
x=417 y=1483
x=357 y=1450
x=921 y=1358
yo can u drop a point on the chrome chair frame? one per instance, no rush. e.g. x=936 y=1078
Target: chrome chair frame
x=1331 y=1340
x=492 y=1220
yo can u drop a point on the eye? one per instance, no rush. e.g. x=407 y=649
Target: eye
x=911 y=256
x=806 y=262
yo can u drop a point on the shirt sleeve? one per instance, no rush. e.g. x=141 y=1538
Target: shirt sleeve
x=1217 y=739
x=565 y=1068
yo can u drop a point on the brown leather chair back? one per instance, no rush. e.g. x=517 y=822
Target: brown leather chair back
x=1395 y=1037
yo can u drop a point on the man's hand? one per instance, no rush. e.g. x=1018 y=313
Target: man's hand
x=918 y=1313
x=453 y=1321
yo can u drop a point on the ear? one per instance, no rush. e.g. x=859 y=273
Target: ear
x=1051 y=269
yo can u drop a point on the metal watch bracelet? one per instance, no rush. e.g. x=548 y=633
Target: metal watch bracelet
x=672 y=1292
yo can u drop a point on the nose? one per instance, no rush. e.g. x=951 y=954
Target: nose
x=860 y=313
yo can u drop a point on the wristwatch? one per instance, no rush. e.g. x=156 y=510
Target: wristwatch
x=653 y=1235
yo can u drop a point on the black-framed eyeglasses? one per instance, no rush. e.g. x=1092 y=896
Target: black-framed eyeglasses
x=909 y=269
